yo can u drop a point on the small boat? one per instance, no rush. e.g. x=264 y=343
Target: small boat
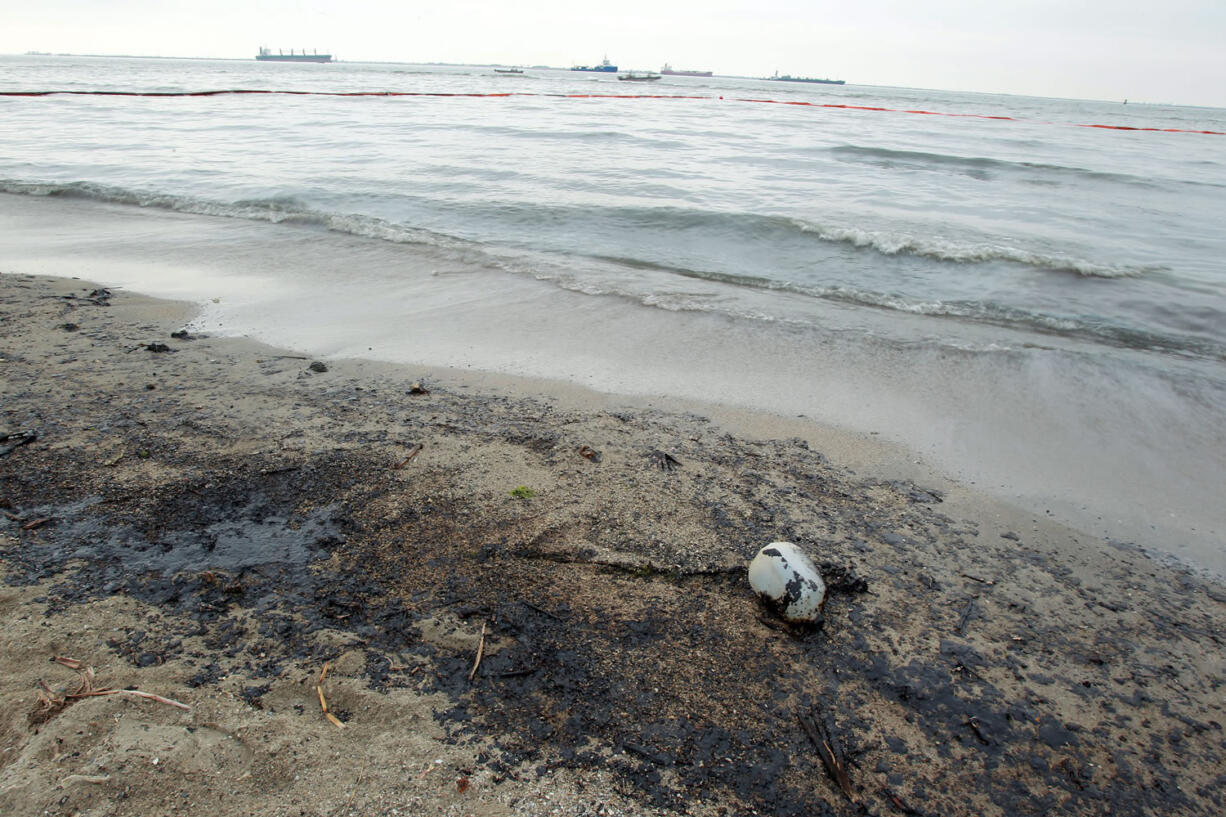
x=790 y=78
x=266 y=55
x=669 y=71
x=508 y=70
x=636 y=77
x=605 y=67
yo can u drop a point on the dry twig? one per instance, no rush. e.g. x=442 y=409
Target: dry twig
x=829 y=752
x=480 y=652
x=413 y=452
x=323 y=702
x=50 y=702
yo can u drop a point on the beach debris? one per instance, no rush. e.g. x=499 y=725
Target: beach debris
x=413 y=452
x=158 y=347
x=897 y=802
x=587 y=452
x=16 y=439
x=182 y=334
x=69 y=327
x=51 y=703
x=99 y=297
x=788 y=582
x=663 y=460
x=480 y=653
x=968 y=612
x=817 y=727
x=417 y=388
x=522 y=492
x=36 y=523
x=975 y=727
x=318 y=367
x=323 y=702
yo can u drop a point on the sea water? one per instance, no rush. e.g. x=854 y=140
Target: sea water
x=1029 y=294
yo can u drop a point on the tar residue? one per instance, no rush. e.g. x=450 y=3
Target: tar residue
x=678 y=682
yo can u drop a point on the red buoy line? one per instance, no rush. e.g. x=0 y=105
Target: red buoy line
x=799 y=103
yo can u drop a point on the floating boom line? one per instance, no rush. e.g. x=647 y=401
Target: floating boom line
x=507 y=94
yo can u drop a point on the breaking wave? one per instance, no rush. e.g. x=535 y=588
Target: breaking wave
x=275 y=210
x=938 y=249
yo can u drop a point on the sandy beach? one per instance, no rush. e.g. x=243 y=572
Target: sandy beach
x=357 y=588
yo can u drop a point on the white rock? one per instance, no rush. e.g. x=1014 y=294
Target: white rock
x=787 y=580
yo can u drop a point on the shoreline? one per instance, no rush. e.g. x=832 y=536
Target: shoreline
x=1036 y=428
x=215 y=523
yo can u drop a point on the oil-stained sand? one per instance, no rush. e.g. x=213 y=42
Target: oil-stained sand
x=220 y=522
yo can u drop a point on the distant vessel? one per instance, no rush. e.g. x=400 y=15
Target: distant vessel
x=508 y=70
x=266 y=55
x=636 y=77
x=668 y=71
x=605 y=67
x=790 y=78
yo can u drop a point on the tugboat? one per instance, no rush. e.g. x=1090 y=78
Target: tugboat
x=266 y=55
x=790 y=78
x=605 y=67
x=636 y=77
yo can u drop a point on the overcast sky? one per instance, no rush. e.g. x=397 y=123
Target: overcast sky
x=1167 y=51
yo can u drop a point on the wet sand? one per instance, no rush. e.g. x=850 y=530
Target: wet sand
x=212 y=521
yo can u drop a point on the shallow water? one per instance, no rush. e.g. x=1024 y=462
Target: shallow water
x=1036 y=307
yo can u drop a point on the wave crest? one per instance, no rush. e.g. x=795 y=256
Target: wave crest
x=938 y=249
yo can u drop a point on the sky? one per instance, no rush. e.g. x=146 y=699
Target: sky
x=1171 y=51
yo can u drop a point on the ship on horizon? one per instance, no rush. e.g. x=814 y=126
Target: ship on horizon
x=605 y=67
x=669 y=71
x=266 y=55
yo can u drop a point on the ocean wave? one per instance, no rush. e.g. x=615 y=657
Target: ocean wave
x=939 y=249
x=275 y=210
x=1094 y=330
x=653 y=284
x=288 y=209
x=979 y=164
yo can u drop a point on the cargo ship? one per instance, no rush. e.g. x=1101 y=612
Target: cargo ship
x=790 y=78
x=605 y=67
x=266 y=55
x=669 y=71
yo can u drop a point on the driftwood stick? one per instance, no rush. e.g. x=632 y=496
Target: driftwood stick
x=323 y=702
x=21 y=438
x=413 y=452
x=829 y=752
x=96 y=692
x=480 y=652
x=540 y=610
x=967 y=612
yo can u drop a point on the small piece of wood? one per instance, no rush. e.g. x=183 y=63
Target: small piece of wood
x=20 y=438
x=323 y=702
x=413 y=452
x=149 y=695
x=967 y=612
x=829 y=752
x=480 y=652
